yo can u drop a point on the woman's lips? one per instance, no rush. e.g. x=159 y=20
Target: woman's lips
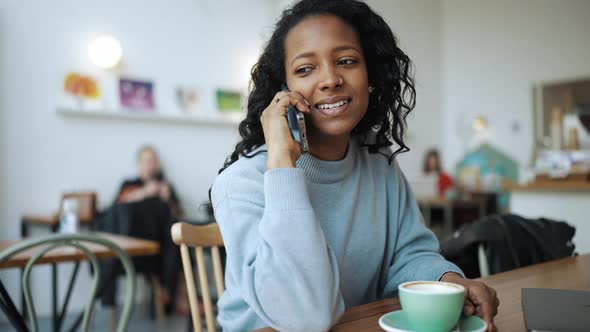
x=334 y=111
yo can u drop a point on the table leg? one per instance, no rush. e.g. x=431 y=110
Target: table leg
x=10 y=310
x=448 y=225
x=54 y=296
x=426 y=214
x=482 y=208
x=24 y=233
x=54 y=291
x=112 y=277
x=64 y=308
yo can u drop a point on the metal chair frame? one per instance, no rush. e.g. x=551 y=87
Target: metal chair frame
x=73 y=241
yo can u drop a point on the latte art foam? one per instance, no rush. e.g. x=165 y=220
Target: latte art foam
x=432 y=288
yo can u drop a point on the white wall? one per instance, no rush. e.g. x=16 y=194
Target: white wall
x=202 y=43
x=492 y=53
x=180 y=42
x=417 y=26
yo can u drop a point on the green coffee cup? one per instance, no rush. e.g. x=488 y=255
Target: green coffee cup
x=432 y=306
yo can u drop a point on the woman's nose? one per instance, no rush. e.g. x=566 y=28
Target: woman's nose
x=330 y=79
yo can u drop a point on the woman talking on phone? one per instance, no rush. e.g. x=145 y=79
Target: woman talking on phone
x=310 y=235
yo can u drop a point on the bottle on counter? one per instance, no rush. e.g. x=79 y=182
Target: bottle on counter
x=556 y=129
x=68 y=220
x=573 y=140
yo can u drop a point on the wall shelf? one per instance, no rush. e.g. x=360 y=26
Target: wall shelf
x=180 y=119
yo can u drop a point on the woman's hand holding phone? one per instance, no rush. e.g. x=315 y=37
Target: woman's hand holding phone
x=283 y=150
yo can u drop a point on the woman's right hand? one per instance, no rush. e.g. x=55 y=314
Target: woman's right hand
x=151 y=188
x=283 y=150
x=164 y=192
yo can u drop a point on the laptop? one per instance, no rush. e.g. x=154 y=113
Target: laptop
x=556 y=310
x=424 y=186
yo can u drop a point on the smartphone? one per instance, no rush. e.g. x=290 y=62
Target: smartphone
x=296 y=122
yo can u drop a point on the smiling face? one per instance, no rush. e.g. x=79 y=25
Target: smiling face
x=324 y=62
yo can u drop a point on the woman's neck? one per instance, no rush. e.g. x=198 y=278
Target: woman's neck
x=328 y=148
x=147 y=178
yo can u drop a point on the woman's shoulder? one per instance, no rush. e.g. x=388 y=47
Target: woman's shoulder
x=243 y=178
x=251 y=165
x=128 y=182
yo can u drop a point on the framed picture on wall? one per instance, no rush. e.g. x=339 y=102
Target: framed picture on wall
x=136 y=95
x=81 y=92
x=187 y=98
x=228 y=100
x=564 y=104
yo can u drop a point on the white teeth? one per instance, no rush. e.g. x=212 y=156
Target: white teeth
x=328 y=106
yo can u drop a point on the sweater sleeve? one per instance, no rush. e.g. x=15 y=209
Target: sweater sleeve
x=416 y=249
x=282 y=265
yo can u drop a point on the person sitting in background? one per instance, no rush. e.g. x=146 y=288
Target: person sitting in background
x=146 y=207
x=150 y=183
x=432 y=166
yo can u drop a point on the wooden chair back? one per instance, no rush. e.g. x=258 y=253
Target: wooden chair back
x=200 y=237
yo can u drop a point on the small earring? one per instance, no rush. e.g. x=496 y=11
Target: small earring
x=371 y=89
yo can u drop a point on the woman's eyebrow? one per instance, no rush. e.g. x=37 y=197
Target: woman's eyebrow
x=302 y=55
x=334 y=50
x=345 y=48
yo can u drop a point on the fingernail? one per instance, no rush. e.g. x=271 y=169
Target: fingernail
x=308 y=104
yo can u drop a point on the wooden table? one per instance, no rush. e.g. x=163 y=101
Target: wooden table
x=567 y=273
x=428 y=203
x=131 y=246
x=553 y=185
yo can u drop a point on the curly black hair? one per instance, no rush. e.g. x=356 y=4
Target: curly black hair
x=389 y=71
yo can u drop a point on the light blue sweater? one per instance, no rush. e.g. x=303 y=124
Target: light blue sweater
x=306 y=243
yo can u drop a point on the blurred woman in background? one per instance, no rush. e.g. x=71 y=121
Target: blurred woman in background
x=432 y=166
x=150 y=183
x=146 y=207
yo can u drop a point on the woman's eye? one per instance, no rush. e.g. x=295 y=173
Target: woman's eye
x=346 y=62
x=303 y=70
